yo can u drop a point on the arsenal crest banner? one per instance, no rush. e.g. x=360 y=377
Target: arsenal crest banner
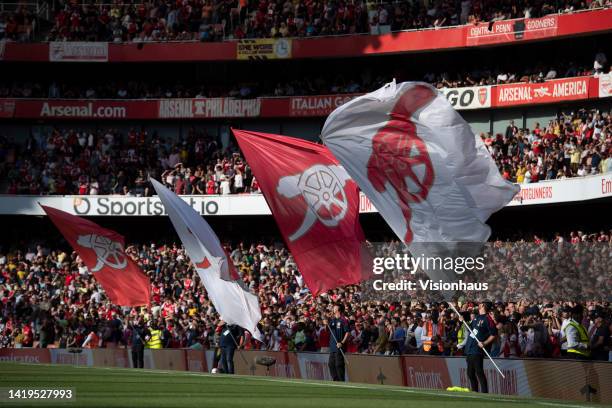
x=103 y=252
x=315 y=204
x=235 y=304
x=419 y=162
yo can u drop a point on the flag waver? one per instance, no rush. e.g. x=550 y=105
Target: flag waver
x=418 y=161
x=235 y=304
x=315 y=204
x=103 y=253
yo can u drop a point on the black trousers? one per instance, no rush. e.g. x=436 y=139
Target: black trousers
x=227 y=359
x=336 y=366
x=217 y=358
x=138 y=356
x=475 y=372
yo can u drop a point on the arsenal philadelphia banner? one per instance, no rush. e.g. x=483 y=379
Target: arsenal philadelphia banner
x=420 y=164
x=103 y=252
x=316 y=206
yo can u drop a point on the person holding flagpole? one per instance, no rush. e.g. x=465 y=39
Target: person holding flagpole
x=339 y=334
x=484 y=334
x=231 y=339
x=139 y=333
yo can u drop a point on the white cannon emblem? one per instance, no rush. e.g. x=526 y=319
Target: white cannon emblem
x=323 y=190
x=108 y=252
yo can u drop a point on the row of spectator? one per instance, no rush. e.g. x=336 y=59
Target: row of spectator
x=107 y=161
x=49 y=298
x=575 y=144
x=217 y=20
x=308 y=85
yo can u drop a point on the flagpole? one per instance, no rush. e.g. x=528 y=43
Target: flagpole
x=474 y=336
x=339 y=348
x=238 y=347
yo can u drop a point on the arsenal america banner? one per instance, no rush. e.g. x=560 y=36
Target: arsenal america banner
x=315 y=204
x=557 y=90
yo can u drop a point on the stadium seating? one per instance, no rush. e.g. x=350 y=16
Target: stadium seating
x=47 y=296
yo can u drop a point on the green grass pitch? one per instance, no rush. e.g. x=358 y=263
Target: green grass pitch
x=105 y=387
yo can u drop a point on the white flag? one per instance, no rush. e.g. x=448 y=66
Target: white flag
x=419 y=162
x=233 y=302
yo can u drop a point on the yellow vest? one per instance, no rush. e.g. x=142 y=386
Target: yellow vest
x=461 y=334
x=584 y=340
x=155 y=340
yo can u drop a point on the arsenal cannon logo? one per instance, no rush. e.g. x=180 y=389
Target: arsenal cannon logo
x=399 y=157
x=322 y=187
x=108 y=252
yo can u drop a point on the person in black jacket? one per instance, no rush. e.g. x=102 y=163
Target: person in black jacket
x=339 y=334
x=231 y=339
x=139 y=333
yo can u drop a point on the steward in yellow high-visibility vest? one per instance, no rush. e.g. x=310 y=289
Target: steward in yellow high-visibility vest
x=154 y=338
x=461 y=334
x=582 y=348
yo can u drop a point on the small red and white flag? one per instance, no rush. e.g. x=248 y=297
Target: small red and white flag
x=103 y=253
x=315 y=204
x=234 y=303
x=418 y=161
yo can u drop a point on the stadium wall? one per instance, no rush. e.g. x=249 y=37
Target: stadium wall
x=557 y=379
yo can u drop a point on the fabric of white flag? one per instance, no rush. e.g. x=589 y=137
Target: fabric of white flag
x=419 y=162
x=235 y=304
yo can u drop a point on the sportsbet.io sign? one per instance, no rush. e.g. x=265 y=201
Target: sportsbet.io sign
x=138 y=206
x=118 y=206
x=544 y=192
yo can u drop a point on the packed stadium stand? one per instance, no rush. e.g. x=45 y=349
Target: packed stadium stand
x=49 y=296
x=120 y=21
x=95 y=99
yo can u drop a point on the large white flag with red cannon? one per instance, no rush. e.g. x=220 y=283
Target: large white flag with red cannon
x=417 y=159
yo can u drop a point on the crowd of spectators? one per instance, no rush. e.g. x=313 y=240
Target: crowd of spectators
x=312 y=84
x=575 y=144
x=48 y=298
x=18 y=25
x=109 y=161
x=217 y=20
